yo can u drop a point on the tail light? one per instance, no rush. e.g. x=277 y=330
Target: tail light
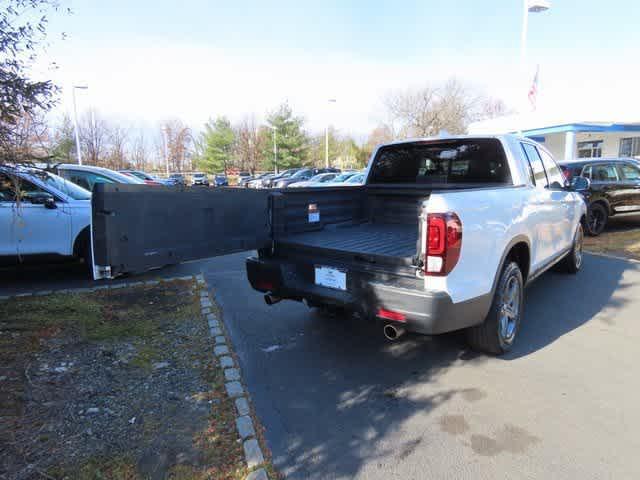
x=443 y=244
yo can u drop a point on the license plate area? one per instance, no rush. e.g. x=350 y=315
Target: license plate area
x=330 y=277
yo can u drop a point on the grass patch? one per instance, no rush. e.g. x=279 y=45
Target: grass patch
x=81 y=381
x=625 y=243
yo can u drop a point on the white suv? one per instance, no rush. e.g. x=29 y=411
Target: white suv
x=42 y=215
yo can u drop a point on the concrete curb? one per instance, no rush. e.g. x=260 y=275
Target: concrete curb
x=233 y=377
x=109 y=286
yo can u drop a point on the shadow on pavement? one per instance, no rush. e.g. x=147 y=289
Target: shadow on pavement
x=558 y=303
x=336 y=397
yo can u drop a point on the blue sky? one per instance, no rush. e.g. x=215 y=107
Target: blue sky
x=145 y=61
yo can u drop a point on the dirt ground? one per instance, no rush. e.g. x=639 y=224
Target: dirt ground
x=621 y=237
x=114 y=384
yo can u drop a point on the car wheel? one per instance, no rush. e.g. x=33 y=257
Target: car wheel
x=597 y=219
x=497 y=334
x=572 y=263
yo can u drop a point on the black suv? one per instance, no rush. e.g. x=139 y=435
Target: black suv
x=615 y=187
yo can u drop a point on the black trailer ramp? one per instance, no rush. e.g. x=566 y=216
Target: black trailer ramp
x=139 y=227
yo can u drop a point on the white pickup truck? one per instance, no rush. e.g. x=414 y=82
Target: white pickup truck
x=444 y=235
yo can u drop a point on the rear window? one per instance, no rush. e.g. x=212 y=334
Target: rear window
x=442 y=162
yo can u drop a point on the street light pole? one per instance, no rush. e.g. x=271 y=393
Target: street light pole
x=166 y=149
x=75 y=121
x=275 y=148
x=529 y=6
x=326 y=137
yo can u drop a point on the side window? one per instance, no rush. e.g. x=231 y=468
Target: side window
x=11 y=188
x=604 y=172
x=553 y=172
x=539 y=175
x=586 y=173
x=630 y=172
x=7 y=189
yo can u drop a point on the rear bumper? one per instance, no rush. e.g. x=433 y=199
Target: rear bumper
x=424 y=312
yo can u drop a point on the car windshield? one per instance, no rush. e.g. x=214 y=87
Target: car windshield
x=322 y=177
x=343 y=177
x=301 y=174
x=63 y=186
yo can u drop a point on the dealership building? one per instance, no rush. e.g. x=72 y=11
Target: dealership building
x=570 y=139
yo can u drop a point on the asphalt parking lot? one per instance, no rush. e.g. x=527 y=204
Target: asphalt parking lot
x=338 y=401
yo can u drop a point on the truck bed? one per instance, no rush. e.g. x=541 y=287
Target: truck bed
x=395 y=243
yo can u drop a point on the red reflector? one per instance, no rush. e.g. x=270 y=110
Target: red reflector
x=391 y=315
x=264 y=285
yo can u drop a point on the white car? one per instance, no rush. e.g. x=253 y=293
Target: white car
x=355 y=179
x=42 y=216
x=87 y=176
x=320 y=180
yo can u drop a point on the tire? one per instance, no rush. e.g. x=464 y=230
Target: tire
x=597 y=218
x=572 y=263
x=497 y=334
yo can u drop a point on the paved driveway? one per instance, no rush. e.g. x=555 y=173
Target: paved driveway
x=338 y=401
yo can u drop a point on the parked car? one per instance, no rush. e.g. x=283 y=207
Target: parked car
x=446 y=236
x=343 y=177
x=145 y=177
x=614 y=188
x=302 y=175
x=42 y=217
x=87 y=176
x=255 y=181
x=243 y=178
x=270 y=181
x=200 y=179
x=357 y=179
x=176 y=180
x=220 y=180
x=320 y=180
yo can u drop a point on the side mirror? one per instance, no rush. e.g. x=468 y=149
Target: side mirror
x=580 y=184
x=43 y=199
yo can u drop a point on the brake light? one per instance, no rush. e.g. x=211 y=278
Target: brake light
x=443 y=244
x=391 y=315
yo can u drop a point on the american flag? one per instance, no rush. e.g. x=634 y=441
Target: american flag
x=533 y=90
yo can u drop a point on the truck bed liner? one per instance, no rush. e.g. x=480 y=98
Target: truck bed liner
x=397 y=241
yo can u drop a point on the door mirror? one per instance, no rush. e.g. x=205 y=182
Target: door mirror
x=45 y=199
x=580 y=184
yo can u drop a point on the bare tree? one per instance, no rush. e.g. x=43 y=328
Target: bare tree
x=117 y=149
x=94 y=137
x=492 y=108
x=27 y=139
x=139 y=153
x=178 y=139
x=249 y=145
x=430 y=110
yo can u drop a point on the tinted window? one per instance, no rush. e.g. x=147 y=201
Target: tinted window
x=442 y=162
x=539 y=176
x=630 y=172
x=604 y=172
x=553 y=172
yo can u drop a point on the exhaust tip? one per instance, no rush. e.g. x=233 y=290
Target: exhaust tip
x=391 y=332
x=271 y=300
